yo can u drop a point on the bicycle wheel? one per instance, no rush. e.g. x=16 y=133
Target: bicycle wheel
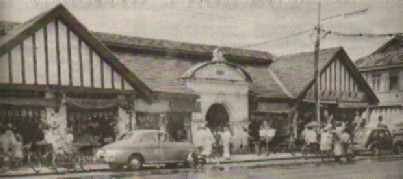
x=305 y=151
x=34 y=162
x=80 y=162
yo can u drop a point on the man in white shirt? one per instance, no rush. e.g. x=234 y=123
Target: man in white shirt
x=311 y=138
x=226 y=140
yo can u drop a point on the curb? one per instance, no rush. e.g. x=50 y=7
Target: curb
x=300 y=157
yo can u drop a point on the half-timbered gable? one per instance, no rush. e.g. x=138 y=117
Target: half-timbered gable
x=340 y=81
x=53 y=50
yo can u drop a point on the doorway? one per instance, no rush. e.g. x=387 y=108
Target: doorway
x=217 y=117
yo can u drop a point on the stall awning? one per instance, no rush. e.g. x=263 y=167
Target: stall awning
x=41 y=102
x=184 y=106
x=273 y=108
x=352 y=105
x=95 y=103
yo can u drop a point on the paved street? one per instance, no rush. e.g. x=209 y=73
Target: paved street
x=370 y=168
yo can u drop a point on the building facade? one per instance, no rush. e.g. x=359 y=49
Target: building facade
x=57 y=73
x=383 y=70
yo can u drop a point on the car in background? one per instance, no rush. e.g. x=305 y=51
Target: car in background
x=373 y=140
x=138 y=147
x=398 y=142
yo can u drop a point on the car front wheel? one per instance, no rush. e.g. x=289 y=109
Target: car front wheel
x=135 y=162
x=375 y=150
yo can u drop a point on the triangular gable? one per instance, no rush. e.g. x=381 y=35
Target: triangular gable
x=341 y=81
x=72 y=56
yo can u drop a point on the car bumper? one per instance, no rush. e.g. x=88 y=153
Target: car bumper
x=109 y=157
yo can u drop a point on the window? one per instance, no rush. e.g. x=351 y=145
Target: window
x=165 y=138
x=149 y=137
x=394 y=80
x=376 y=81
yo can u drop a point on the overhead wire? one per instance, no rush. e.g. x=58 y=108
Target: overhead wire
x=361 y=34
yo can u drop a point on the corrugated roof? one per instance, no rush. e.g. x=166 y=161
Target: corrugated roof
x=389 y=54
x=296 y=71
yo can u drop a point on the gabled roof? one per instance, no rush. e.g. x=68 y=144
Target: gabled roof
x=19 y=33
x=296 y=71
x=388 y=55
x=183 y=47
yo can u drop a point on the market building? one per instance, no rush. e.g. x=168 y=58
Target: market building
x=101 y=85
x=383 y=70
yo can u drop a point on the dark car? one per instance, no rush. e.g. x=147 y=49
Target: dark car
x=398 y=142
x=373 y=140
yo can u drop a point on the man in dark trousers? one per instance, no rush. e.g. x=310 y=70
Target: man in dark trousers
x=253 y=131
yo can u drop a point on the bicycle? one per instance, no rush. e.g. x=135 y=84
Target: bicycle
x=309 y=149
x=56 y=159
x=8 y=161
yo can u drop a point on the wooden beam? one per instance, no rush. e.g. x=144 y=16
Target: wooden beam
x=92 y=67
x=80 y=57
x=59 y=72
x=69 y=58
x=123 y=83
x=112 y=80
x=35 y=59
x=102 y=73
x=10 y=68
x=22 y=63
x=45 y=38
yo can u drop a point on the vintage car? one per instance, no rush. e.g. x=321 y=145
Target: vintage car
x=138 y=147
x=373 y=140
x=398 y=142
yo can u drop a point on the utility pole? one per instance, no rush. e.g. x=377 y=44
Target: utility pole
x=317 y=73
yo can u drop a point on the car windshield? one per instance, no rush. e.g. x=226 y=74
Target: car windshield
x=126 y=136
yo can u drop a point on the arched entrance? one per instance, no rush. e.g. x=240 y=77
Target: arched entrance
x=217 y=117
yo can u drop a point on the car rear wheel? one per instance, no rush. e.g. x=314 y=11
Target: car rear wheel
x=135 y=162
x=376 y=150
x=399 y=149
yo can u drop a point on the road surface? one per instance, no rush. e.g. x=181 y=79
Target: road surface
x=373 y=168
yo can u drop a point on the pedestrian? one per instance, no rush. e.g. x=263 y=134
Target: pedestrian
x=69 y=140
x=380 y=123
x=198 y=138
x=18 y=153
x=266 y=135
x=254 y=128
x=325 y=142
x=8 y=139
x=208 y=142
x=244 y=140
x=226 y=141
x=311 y=138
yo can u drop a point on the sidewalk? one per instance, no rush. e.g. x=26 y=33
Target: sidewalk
x=256 y=158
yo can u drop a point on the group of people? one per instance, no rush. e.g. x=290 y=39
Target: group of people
x=205 y=139
x=334 y=136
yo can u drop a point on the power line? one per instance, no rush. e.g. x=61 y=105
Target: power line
x=275 y=40
x=361 y=34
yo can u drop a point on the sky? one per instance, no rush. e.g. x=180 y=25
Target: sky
x=232 y=23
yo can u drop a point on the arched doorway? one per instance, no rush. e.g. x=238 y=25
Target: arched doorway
x=217 y=117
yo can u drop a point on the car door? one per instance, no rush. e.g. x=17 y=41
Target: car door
x=171 y=150
x=151 y=149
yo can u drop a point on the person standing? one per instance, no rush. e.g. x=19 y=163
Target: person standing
x=244 y=140
x=311 y=138
x=8 y=138
x=208 y=142
x=254 y=128
x=198 y=138
x=325 y=142
x=266 y=133
x=226 y=141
